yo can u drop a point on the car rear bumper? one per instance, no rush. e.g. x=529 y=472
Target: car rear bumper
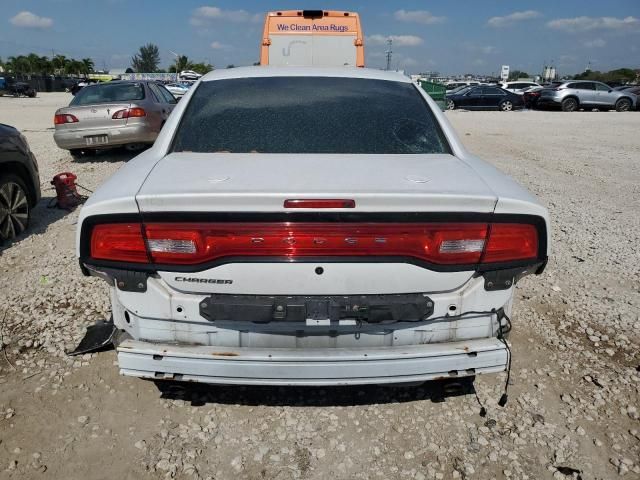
x=315 y=366
x=135 y=133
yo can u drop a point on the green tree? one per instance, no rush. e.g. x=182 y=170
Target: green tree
x=201 y=68
x=181 y=63
x=147 y=59
x=516 y=74
x=59 y=63
x=87 y=65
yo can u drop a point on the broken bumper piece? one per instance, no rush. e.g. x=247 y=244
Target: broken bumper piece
x=98 y=336
x=320 y=366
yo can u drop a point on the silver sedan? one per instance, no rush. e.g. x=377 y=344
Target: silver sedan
x=113 y=114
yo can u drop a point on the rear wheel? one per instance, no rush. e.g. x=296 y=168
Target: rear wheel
x=506 y=105
x=14 y=207
x=569 y=105
x=450 y=105
x=623 y=105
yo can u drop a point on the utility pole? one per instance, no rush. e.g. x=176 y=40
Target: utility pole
x=388 y=53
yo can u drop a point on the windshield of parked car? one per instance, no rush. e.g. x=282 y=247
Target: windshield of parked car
x=308 y=115
x=109 y=93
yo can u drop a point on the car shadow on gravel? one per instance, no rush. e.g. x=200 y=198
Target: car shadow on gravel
x=202 y=394
x=43 y=215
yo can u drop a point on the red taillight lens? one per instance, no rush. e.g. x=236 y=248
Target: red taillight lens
x=192 y=243
x=511 y=241
x=118 y=242
x=196 y=243
x=62 y=118
x=129 y=113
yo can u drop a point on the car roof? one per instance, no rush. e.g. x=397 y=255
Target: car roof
x=266 y=71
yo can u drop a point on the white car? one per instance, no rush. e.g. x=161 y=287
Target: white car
x=189 y=75
x=310 y=226
x=177 y=89
x=461 y=83
x=519 y=86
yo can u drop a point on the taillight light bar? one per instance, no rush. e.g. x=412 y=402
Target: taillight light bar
x=62 y=118
x=199 y=243
x=129 y=113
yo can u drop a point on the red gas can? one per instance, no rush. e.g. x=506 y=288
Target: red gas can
x=67 y=195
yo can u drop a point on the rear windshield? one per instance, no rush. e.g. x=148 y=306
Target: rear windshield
x=108 y=93
x=308 y=115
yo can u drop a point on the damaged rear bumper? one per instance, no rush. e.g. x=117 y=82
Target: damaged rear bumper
x=313 y=367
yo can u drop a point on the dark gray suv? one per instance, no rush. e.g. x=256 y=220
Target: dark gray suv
x=19 y=182
x=572 y=95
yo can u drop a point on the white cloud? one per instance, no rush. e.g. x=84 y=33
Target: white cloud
x=219 y=46
x=585 y=24
x=406 y=62
x=512 y=18
x=418 y=16
x=31 y=20
x=484 y=49
x=595 y=43
x=398 y=40
x=206 y=14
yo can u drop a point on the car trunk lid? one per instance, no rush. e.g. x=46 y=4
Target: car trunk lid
x=227 y=182
x=98 y=115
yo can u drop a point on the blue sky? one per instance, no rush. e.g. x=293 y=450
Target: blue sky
x=445 y=36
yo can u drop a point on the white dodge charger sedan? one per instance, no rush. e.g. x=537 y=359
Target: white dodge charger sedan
x=310 y=226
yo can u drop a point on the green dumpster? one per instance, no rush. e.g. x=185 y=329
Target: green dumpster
x=435 y=91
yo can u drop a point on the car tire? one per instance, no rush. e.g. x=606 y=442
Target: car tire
x=506 y=106
x=569 y=105
x=14 y=206
x=451 y=105
x=623 y=105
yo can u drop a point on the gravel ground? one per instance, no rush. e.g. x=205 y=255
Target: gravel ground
x=573 y=408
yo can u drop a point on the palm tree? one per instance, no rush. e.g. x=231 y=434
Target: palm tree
x=88 y=65
x=59 y=63
x=74 y=67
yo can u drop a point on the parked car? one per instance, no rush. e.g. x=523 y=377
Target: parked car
x=572 y=95
x=107 y=115
x=177 y=89
x=518 y=86
x=19 y=89
x=484 y=97
x=258 y=243
x=19 y=182
x=454 y=85
x=531 y=96
x=189 y=75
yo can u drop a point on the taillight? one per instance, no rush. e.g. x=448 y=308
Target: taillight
x=122 y=242
x=436 y=243
x=511 y=241
x=197 y=243
x=62 y=118
x=129 y=113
